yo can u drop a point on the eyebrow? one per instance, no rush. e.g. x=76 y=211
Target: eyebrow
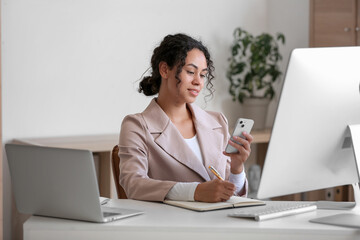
x=193 y=65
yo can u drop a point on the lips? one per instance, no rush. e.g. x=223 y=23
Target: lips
x=195 y=92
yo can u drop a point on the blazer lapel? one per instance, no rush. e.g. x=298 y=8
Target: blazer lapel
x=210 y=140
x=170 y=140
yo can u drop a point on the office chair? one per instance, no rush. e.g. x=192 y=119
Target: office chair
x=115 y=160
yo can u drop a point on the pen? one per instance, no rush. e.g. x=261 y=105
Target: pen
x=215 y=172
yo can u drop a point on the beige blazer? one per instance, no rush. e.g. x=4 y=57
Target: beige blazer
x=154 y=156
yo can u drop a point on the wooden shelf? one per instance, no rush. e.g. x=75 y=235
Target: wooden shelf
x=261 y=136
x=94 y=143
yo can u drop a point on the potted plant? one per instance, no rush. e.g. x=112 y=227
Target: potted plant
x=253 y=70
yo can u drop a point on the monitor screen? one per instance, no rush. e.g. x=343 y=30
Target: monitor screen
x=310 y=146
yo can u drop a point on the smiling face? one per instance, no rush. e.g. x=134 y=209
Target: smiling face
x=192 y=78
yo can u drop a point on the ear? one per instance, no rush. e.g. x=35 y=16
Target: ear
x=164 y=70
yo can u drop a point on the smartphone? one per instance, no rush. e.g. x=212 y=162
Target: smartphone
x=242 y=124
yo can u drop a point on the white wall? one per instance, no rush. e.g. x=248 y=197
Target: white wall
x=71 y=67
x=292 y=19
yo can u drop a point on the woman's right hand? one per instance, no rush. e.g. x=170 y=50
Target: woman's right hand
x=214 y=191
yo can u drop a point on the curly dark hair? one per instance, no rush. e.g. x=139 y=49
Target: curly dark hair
x=173 y=50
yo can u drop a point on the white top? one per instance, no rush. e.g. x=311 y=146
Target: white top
x=193 y=143
x=185 y=190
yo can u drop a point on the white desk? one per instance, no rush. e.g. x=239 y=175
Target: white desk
x=161 y=221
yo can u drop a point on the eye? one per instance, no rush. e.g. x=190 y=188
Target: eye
x=202 y=75
x=190 y=72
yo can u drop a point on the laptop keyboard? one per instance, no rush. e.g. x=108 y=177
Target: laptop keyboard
x=274 y=209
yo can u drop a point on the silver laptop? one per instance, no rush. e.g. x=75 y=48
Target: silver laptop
x=58 y=182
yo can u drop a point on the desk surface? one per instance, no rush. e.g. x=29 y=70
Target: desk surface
x=162 y=221
x=105 y=143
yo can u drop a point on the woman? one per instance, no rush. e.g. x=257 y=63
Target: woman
x=165 y=151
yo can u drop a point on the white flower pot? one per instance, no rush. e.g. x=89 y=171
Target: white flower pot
x=256 y=109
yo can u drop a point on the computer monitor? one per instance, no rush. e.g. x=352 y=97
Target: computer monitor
x=311 y=146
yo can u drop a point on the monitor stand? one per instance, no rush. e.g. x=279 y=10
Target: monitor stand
x=351 y=218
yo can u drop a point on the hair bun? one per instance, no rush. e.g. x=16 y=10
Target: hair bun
x=149 y=86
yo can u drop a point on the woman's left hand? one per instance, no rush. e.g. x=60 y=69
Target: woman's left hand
x=238 y=159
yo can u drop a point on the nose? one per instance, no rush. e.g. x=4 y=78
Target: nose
x=197 y=79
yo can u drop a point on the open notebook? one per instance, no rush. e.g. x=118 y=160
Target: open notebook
x=233 y=202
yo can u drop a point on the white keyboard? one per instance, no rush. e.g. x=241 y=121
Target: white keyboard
x=274 y=209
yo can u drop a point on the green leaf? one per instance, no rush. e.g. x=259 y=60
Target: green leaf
x=248 y=78
x=269 y=93
x=238 y=68
x=281 y=37
x=241 y=97
x=232 y=90
x=235 y=49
